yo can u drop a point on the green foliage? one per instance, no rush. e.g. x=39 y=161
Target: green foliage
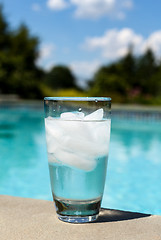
x=146 y=69
x=18 y=53
x=60 y=77
x=72 y=92
x=106 y=81
x=4 y=31
x=131 y=79
x=25 y=47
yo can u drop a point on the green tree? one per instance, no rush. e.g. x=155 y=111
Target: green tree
x=4 y=31
x=146 y=69
x=154 y=86
x=60 y=77
x=106 y=80
x=133 y=79
x=128 y=70
x=116 y=78
x=18 y=54
x=25 y=47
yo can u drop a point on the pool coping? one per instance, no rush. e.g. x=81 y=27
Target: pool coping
x=24 y=218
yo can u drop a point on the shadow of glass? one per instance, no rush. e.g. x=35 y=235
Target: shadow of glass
x=110 y=215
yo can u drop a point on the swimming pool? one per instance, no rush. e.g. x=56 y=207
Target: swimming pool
x=134 y=169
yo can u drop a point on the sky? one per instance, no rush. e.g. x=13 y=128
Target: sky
x=86 y=34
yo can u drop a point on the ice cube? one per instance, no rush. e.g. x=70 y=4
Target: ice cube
x=53 y=128
x=83 y=146
x=54 y=134
x=96 y=115
x=75 y=160
x=102 y=131
x=52 y=145
x=73 y=135
x=72 y=116
x=75 y=129
x=101 y=135
x=77 y=143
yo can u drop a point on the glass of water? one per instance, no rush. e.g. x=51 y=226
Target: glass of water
x=77 y=136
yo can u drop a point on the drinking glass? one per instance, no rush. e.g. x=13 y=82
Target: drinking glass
x=77 y=136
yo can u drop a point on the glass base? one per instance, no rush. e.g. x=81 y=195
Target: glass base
x=77 y=211
x=77 y=219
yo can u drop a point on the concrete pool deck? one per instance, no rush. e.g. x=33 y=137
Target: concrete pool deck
x=30 y=219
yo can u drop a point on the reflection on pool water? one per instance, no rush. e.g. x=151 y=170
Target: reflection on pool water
x=134 y=169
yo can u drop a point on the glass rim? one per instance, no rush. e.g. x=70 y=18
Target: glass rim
x=95 y=99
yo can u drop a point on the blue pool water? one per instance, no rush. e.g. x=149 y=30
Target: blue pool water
x=133 y=179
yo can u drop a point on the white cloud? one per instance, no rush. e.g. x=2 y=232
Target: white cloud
x=97 y=8
x=154 y=42
x=93 y=9
x=115 y=43
x=57 y=4
x=84 y=68
x=36 y=7
x=46 y=51
x=46 y=54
